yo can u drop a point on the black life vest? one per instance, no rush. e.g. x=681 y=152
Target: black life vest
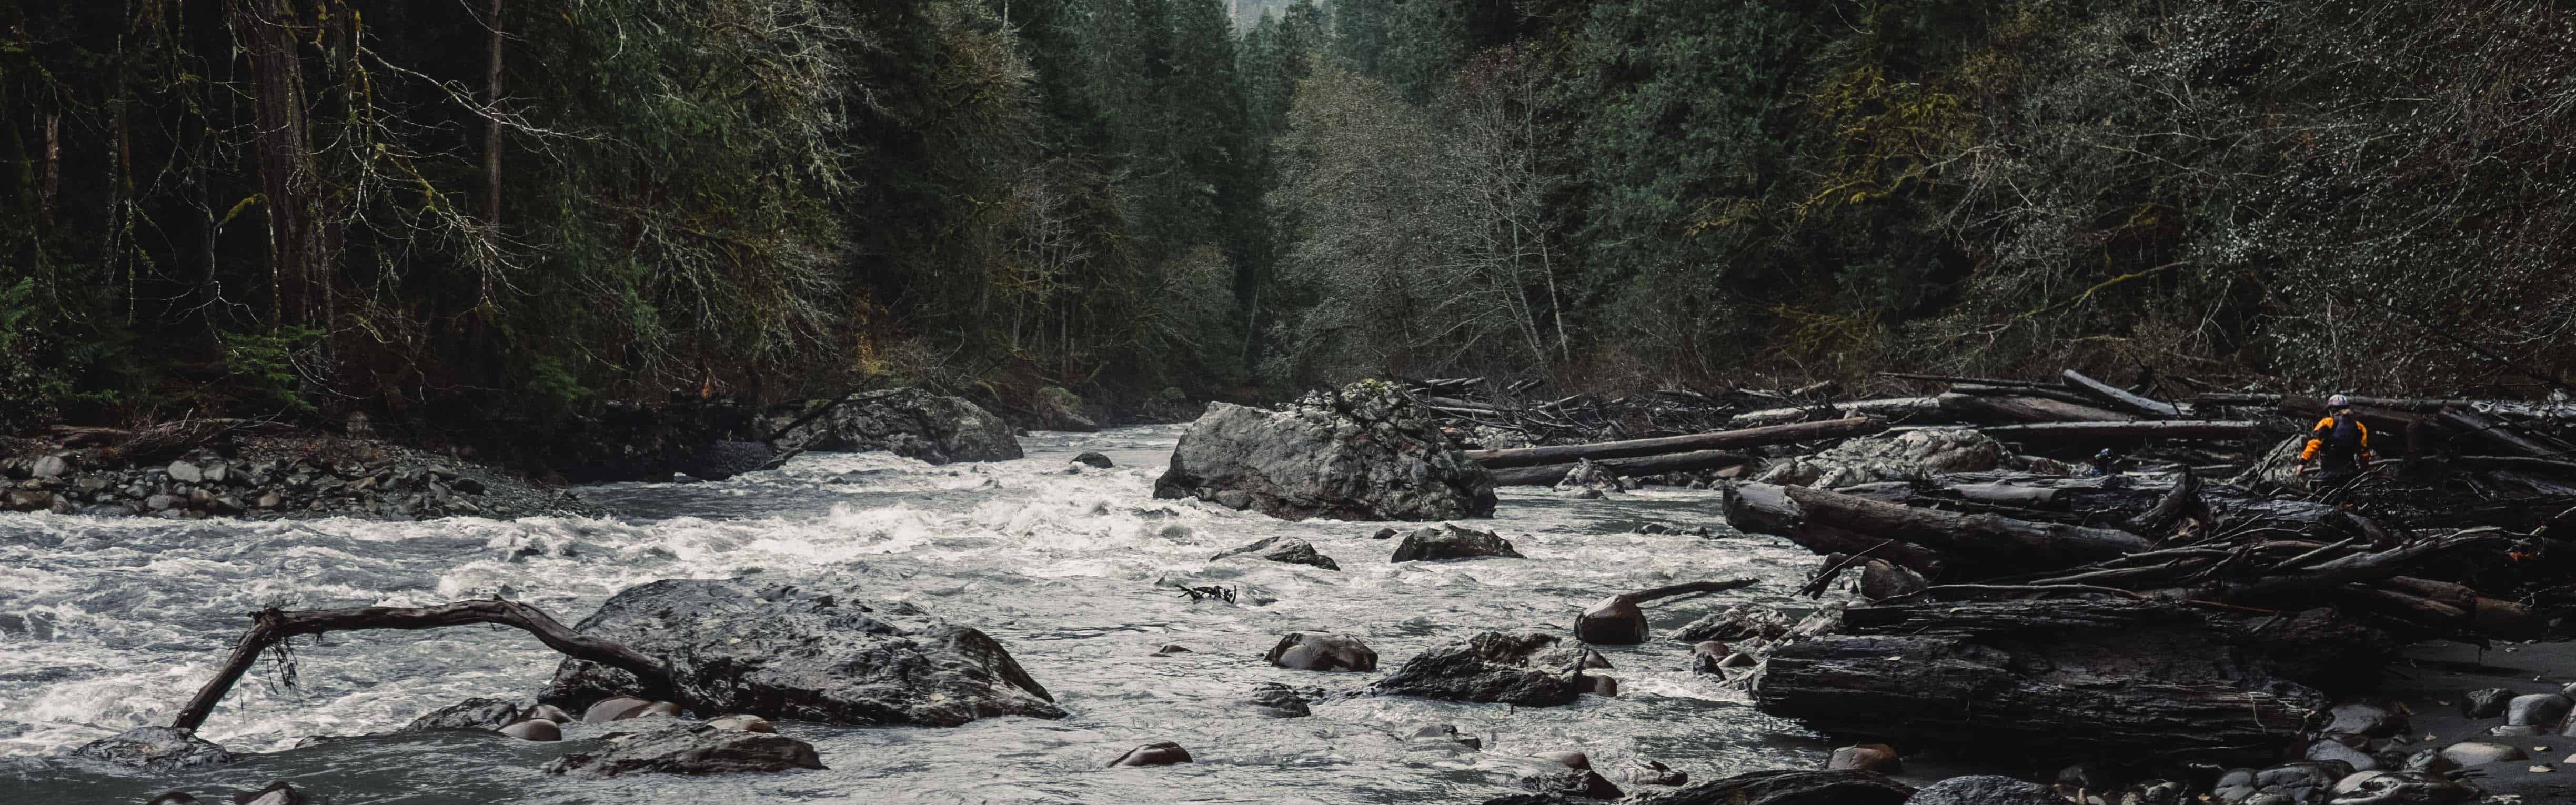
x=2343 y=440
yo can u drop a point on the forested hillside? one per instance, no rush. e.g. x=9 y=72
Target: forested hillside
x=521 y=207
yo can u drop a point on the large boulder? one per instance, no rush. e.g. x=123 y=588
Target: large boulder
x=806 y=654
x=908 y=422
x=1906 y=456
x=155 y=748
x=1290 y=550
x=682 y=748
x=1448 y=541
x=1530 y=669
x=1363 y=452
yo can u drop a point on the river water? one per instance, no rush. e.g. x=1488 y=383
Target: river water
x=107 y=624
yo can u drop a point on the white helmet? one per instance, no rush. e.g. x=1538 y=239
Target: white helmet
x=2338 y=401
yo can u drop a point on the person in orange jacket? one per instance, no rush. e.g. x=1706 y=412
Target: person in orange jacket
x=2340 y=440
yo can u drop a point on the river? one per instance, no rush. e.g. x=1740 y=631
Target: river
x=107 y=624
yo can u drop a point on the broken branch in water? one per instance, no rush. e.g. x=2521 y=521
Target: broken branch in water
x=274 y=626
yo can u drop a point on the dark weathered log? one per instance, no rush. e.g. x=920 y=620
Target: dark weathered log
x=2095 y=432
x=2034 y=679
x=2300 y=584
x=1766 y=508
x=2006 y=410
x=271 y=625
x=2050 y=393
x=2496 y=435
x=1977 y=538
x=1645 y=465
x=1894 y=409
x=1953 y=379
x=2178 y=501
x=2524 y=463
x=2120 y=398
x=1726 y=439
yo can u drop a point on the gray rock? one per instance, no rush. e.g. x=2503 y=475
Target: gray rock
x=186 y=473
x=162 y=502
x=1983 y=789
x=1786 y=787
x=2485 y=703
x=2371 y=718
x=614 y=708
x=1580 y=783
x=1158 y=753
x=1612 y=621
x=908 y=422
x=51 y=466
x=1383 y=533
x=2480 y=753
x=2538 y=710
x=471 y=714
x=218 y=473
x=1060 y=409
x=1529 y=669
x=534 y=730
x=1283 y=549
x=1274 y=700
x=27 y=500
x=1709 y=657
x=2333 y=751
x=743 y=722
x=2431 y=761
x=1445 y=737
x=2402 y=788
x=277 y=793
x=811 y=653
x=1093 y=460
x=155 y=748
x=690 y=749
x=1451 y=542
x=1879 y=758
x=1322 y=651
x=1736 y=623
x=1365 y=452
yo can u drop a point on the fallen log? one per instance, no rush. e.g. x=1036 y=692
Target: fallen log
x=2060 y=678
x=2089 y=432
x=2121 y=398
x=1748 y=437
x=1618 y=621
x=272 y=626
x=1984 y=539
x=1893 y=409
x=1550 y=474
x=1998 y=410
x=2490 y=432
x=2050 y=393
x=2182 y=499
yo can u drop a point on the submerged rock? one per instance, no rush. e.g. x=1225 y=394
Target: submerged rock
x=1284 y=549
x=1451 y=542
x=1364 y=452
x=1093 y=460
x=690 y=749
x=1322 y=651
x=1274 y=700
x=157 y=749
x=908 y=422
x=1530 y=669
x=1158 y=753
x=805 y=654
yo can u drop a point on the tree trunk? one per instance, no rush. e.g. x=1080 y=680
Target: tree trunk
x=300 y=257
x=1894 y=409
x=2002 y=410
x=1982 y=539
x=272 y=625
x=2121 y=398
x=2090 y=432
x=1749 y=437
x=1549 y=475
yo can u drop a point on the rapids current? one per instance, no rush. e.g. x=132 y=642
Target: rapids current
x=110 y=623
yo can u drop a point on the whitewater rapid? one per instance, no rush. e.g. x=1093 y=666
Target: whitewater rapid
x=107 y=624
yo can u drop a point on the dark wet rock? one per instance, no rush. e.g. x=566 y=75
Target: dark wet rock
x=2301 y=782
x=2403 y=788
x=1881 y=580
x=48 y=466
x=471 y=714
x=726 y=458
x=1879 y=758
x=173 y=798
x=1736 y=623
x=534 y=730
x=2430 y=761
x=2480 y=753
x=743 y=722
x=1274 y=700
x=1983 y=789
x=1158 y=753
x=2538 y=709
x=1093 y=460
x=2485 y=702
x=1451 y=542
x=689 y=749
x=1640 y=771
x=908 y=422
x=1364 y=452
x=1578 y=783
x=1322 y=651
x=157 y=749
x=548 y=712
x=1568 y=759
x=1170 y=649
x=804 y=653
x=1787 y=787
x=1612 y=621
x=2156 y=792
x=614 y=708
x=1708 y=657
x=1526 y=669
x=1443 y=736
x=1384 y=533
x=186 y=473
x=2370 y=718
x=1284 y=549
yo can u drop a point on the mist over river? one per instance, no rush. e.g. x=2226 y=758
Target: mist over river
x=107 y=624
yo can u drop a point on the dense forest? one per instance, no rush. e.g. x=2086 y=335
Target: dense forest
x=502 y=207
